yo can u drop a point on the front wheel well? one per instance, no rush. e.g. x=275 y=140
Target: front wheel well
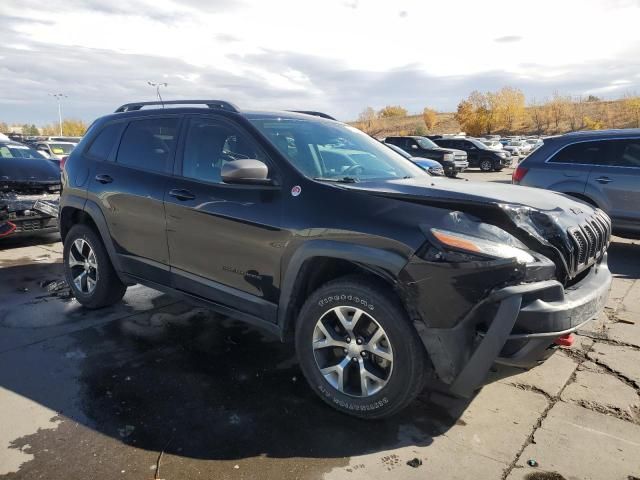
x=70 y=216
x=318 y=271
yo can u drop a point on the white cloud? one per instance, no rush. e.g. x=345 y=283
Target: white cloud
x=315 y=52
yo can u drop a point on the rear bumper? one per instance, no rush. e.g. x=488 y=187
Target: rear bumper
x=528 y=319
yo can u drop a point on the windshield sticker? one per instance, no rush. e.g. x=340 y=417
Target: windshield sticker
x=295 y=191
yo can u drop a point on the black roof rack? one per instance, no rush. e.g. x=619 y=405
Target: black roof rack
x=220 y=104
x=315 y=114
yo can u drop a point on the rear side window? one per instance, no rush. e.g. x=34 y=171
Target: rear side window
x=147 y=144
x=626 y=153
x=104 y=142
x=587 y=153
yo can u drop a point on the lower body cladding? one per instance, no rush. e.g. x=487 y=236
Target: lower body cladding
x=518 y=325
x=29 y=213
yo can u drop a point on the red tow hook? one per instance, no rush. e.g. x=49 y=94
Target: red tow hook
x=565 y=340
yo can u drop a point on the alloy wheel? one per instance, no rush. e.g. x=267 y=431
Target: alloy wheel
x=83 y=265
x=352 y=351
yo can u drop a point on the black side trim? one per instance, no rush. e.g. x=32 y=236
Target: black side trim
x=220 y=294
x=385 y=260
x=269 y=327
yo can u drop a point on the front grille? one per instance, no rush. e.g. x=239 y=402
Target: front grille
x=28 y=226
x=460 y=157
x=590 y=240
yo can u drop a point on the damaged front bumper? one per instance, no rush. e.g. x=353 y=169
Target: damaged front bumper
x=28 y=213
x=515 y=325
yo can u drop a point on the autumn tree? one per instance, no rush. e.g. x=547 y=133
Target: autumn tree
x=509 y=103
x=391 y=111
x=430 y=118
x=575 y=113
x=368 y=121
x=4 y=128
x=538 y=115
x=70 y=127
x=470 y=118
x=631 y=107
x=557 y=108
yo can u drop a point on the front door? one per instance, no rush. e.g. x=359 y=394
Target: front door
x=224 y=240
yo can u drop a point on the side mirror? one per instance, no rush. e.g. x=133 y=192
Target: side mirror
x=248 y=171
x=414 y=147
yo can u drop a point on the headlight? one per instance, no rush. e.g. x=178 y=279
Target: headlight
x=448 y=157
x=501 y=155
x=463 y=232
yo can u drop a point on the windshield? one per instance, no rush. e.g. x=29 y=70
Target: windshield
x=334 y=151
x=18 y=151
x=426 y=143
x=478 y=144
x=61 y=148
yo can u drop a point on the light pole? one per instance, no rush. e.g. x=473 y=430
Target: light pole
x=59 y=97
x=157 y=87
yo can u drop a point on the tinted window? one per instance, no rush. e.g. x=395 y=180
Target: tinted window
x=583 y=152
x=626 y=153
x=104 y=142
x=210 y=144
x=146 y=144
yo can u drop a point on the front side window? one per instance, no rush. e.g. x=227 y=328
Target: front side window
x=209 y=144
x=587 y=153
x=334 y=151
x=146 y=144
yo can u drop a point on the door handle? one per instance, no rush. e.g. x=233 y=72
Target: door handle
x=603 y=180
x=102 y=178
x=181 y=194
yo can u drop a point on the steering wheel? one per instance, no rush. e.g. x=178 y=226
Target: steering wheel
x=354 y=170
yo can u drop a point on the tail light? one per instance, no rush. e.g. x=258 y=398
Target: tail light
x=63 y=160
x=518 y=174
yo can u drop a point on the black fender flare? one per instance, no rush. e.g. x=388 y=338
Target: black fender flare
x=375 y=258
x=92 y=209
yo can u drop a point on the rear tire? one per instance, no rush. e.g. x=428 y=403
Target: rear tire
x=338 y=362
x=88 y=269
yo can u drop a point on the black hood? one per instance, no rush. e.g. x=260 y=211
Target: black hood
x=28 y=172
x=443 y=190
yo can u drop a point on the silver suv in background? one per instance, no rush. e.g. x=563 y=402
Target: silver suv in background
x=601 y=168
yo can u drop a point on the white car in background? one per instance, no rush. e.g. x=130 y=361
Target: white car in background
x=493 y=144
x=534 y=142
x=55 y=150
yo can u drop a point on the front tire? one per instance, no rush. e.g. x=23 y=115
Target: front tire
x=486 y=165
x=358 y=349
x=451 y=174
x=88 y=269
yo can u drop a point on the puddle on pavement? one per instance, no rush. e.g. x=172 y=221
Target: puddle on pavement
x=221 y=391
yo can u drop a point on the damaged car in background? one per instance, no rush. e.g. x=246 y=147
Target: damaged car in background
x=29 y=196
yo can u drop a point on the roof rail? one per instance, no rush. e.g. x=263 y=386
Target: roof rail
x=219 y=104
x=315 y=114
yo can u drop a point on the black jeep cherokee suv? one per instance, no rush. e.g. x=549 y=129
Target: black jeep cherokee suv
x=387 y=278
x=452 y=161
x=478 y=154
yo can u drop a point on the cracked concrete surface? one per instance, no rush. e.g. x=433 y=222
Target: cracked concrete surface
x=154 y=388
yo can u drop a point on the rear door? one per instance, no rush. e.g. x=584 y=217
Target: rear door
x=224 y=240
x=130 y=192
x=616 y=181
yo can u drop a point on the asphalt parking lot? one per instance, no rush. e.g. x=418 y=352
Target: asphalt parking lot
x=155 y=388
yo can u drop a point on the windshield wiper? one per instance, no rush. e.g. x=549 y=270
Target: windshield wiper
x=337 y=180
